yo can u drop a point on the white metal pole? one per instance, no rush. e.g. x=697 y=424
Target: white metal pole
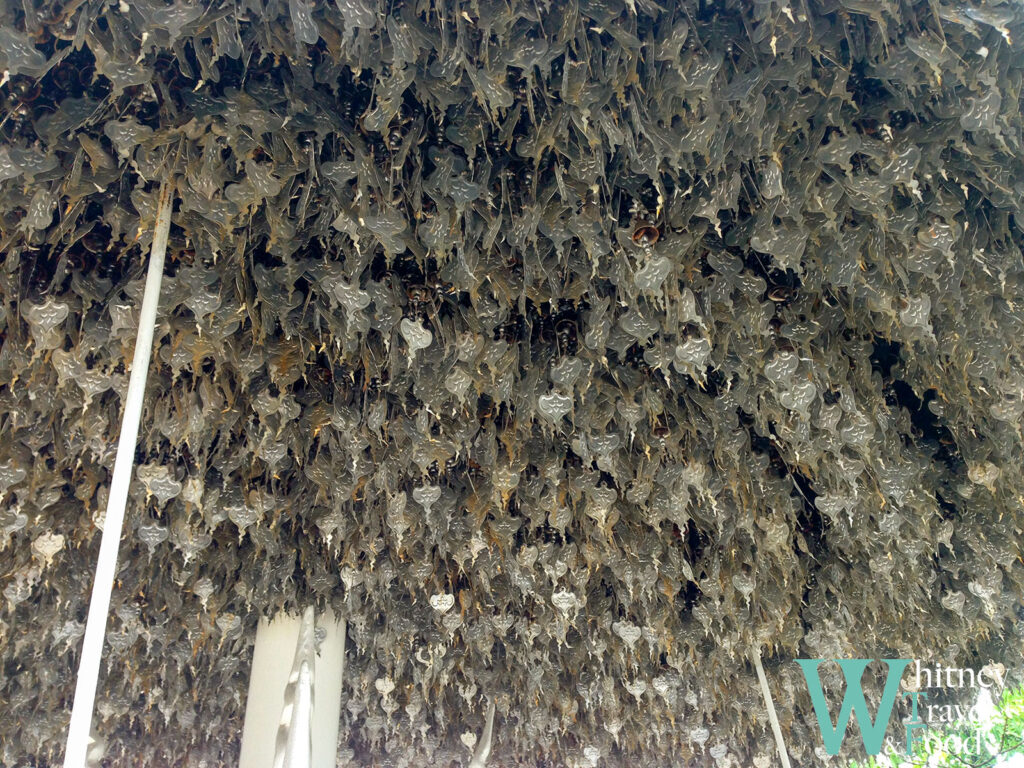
x=106 y=564
x=772 y=717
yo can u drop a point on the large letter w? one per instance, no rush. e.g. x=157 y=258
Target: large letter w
x=873 y=732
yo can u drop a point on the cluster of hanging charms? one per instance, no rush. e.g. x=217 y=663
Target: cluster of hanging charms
x=569 y=351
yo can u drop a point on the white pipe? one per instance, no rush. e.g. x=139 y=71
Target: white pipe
x=330 y=671
x=772 y=717
x=106 y=564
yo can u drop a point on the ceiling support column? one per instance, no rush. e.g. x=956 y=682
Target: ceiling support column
x=106 y=563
